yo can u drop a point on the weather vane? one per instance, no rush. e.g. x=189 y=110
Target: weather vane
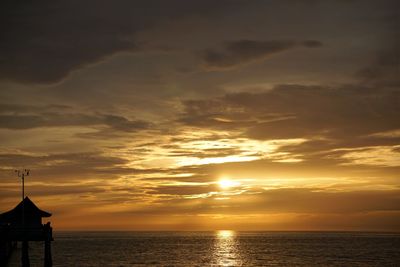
x=22 y=174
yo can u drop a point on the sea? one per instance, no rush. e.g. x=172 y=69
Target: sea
x=219 y=248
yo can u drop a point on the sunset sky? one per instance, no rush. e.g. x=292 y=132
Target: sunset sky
x=203 y=114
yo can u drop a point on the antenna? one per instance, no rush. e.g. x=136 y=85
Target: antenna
x=22 y=174
x=24 y=254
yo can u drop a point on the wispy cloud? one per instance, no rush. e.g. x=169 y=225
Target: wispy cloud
x=235 y=54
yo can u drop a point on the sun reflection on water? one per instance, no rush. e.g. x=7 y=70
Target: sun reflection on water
x=223 y=234
x=226 y=251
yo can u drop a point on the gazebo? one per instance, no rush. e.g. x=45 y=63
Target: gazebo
x=24 y=223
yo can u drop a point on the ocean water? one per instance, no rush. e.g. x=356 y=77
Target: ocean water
x=221 y=248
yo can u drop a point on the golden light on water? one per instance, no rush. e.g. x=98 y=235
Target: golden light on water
x=226 y=251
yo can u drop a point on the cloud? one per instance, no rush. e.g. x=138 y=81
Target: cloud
x=91 y=160
x=16 y=108
x=285 y=200
x=22 y=117
x=298 y=111
x=83 y=167
x=183 y=190
x=42 y=190
x=123 y=124
x=328 y=118
x=379 y=155
x=384 y=70
x=43 y=42
x=235 y=54
x=308 y=200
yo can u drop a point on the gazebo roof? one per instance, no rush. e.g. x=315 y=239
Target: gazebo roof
x=30 y=210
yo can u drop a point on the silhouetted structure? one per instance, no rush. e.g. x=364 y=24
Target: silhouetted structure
x=24 y=223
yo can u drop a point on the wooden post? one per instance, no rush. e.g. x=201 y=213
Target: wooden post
x=48 y=233
x=25 y=254
x=47 y=254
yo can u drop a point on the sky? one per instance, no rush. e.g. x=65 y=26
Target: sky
x=204 y=114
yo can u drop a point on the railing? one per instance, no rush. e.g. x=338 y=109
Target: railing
x=28 y=233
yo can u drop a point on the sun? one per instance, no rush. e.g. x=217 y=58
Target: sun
x=226 y=183
x=224 y=234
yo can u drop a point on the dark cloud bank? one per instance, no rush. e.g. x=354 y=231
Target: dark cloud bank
x=42 y=42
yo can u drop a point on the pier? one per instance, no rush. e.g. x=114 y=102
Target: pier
x=23 y=224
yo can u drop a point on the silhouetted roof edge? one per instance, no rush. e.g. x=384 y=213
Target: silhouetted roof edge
x=30 y=207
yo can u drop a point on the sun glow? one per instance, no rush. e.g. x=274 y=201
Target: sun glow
x=225 y=233
x=226 y=183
